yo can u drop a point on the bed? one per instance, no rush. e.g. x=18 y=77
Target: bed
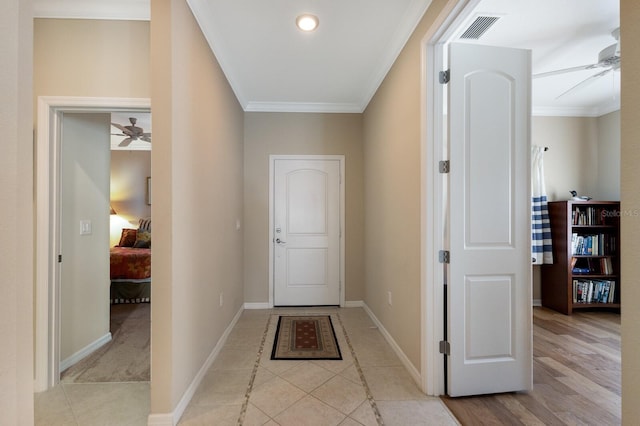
x=130 y=267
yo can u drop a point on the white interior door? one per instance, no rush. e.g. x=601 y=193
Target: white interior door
x=306 y=234
x=489 y=288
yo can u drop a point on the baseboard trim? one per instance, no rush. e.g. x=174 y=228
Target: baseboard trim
x=171 y=419
x=353 y=304
x=160 y=420
x=84 y=352
x=259 y=305
x=537 y=302
x=413 y=371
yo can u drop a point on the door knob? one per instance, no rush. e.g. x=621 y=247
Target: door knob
x=279 y=241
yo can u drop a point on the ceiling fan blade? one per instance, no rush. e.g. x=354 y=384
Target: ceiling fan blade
x=566 y=70
x=146 y=137
x=118 y=126
x=125 y=142
x=586 y=82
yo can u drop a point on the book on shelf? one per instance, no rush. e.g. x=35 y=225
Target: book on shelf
x=592 y=245
x=592 y=216
x=593 y=266
x=593 y=291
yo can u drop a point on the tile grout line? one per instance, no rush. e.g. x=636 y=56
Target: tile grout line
x=372 y=401
x=245 y=404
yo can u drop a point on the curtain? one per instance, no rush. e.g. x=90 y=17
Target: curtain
x=540 y=226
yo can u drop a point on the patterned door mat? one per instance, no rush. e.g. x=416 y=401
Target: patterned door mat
x=305 y=338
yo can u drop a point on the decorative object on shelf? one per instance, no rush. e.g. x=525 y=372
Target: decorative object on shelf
x=131 y=133
x=541 y=250
x=576 y=197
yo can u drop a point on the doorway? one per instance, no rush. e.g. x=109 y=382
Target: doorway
x=306 y=217
x=50 y=114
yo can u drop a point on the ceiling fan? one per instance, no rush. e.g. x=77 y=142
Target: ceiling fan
x=608 y=58
x=131 y=132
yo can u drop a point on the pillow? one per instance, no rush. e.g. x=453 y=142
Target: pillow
x=143 y=239
x=144 y=224
x=128 y=237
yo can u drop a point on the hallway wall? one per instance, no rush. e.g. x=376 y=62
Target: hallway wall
x=630 y=204
x=197 y=163
x=392 y=172
x=300 y=133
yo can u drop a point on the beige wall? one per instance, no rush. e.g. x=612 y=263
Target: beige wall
x=197 y=163
x=82 y=57
x=392 y=194
x=300 y=133
x=608 y=185
x=572 y=159
x=630 y=197
x=129 y=172
x=16 y=219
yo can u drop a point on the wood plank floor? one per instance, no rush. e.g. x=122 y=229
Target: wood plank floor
x=576 y=376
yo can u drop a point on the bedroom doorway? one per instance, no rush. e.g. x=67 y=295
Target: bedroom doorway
x=51 y=111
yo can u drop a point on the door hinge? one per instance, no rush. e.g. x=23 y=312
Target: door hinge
x=444 y=76
x=443 y=166
x=445 y=347
x=443 y=256
x=59 y=258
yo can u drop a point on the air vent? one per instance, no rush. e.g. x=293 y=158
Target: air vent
x=479 y=27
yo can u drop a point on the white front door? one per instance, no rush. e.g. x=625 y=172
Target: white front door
x=489 y=288
x=306 y=231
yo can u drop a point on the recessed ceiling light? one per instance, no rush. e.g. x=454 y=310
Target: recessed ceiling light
x=307 y=22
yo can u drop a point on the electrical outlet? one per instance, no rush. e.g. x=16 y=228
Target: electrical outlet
x=221 y=299
x=389 y=299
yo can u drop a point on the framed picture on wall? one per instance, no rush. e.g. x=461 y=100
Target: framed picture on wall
x=148 y=190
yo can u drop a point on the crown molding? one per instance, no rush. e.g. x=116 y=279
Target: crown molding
x=318 y=107
x=131 y=10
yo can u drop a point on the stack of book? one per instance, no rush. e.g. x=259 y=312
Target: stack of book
x=593 y=291
x=592 y=245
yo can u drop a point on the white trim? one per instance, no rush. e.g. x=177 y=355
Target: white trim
x=259 y=305
x=191 y=390
x=130 y=10
x=84 y=352
x=354 y=304
x=160 y=420
x=411 y=369
x=50 y=110
x=319 y=107
x=432 y=192
x=536 y=302
x=340 y=158
x=596 y=111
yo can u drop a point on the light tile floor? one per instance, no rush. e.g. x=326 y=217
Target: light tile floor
x=369 y=386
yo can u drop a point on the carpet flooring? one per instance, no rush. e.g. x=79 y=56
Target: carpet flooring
x=126 y=358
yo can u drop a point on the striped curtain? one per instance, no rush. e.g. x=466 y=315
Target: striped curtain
x=540 y=227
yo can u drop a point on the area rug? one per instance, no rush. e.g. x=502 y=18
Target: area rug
x=305 y=338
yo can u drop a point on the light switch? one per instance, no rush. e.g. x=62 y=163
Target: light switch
x=85 y=227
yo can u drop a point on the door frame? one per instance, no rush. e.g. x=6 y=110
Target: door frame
x=47 y=192
x=435 y=41
x=272 y=162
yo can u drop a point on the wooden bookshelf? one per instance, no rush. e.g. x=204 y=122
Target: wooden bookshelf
x=586 y=255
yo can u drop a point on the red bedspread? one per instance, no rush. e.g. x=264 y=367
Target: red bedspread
x=130 y=263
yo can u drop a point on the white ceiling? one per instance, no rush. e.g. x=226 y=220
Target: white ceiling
x=274 y=67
